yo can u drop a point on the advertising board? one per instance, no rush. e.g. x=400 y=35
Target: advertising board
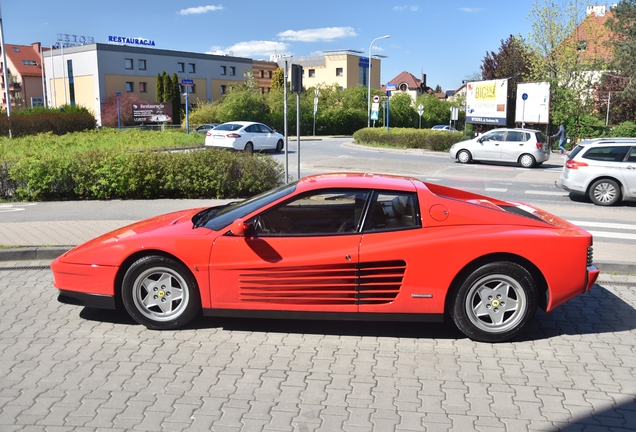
x=486 y=102
x=158 y=112
x=535 y=107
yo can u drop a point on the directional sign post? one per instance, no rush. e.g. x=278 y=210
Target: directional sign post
x=315 y=108
x=523 y=113
x=187 y=84
x=420 y=111
x=118 y=110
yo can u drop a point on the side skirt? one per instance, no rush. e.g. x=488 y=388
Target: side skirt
x=87 y=300
x=331 y=316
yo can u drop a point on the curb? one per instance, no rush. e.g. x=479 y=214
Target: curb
x=50 y=253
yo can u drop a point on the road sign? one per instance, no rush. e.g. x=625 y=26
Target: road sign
x=376 y=98
x=187 y=82
x=420 y=109
x=391 y=86
x=524 y=96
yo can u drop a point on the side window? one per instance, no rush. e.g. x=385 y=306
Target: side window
x=495 y=136
x=607 y=154
x=632 y=155
x=252 y=129
x=319 y=213
x=390 y=211
x=515 y=136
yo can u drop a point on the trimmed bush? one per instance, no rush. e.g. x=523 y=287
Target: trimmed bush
x=39 y=121
x=408 y=138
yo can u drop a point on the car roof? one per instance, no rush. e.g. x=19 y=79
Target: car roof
x=242 y=123
x=358 y=180
x=514 y=129
x=608 y=141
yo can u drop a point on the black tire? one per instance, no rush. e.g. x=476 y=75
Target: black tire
x=605 y=192
x=279 y=146
x=249 y=148
x=495 y=303
x=527 y=160
x=464 y=157
x=160 y=293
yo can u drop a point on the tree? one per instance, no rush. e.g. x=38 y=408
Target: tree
x=402 y=113
x=512 y=61
x=560 y=60
x=167 y=87
x=278 y=80
x=175 y=98
x=109 y=109
x=623 y=44
x=249 y=80
x=159 y=97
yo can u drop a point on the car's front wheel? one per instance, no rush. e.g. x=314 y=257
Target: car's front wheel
x=495 y=302
x=605 y=192
x=160 y=293
x=527 y=161
x=464 y=157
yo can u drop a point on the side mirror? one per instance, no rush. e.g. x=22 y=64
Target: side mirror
x=239 y=227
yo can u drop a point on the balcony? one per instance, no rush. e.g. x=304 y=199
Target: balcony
x=14 y=86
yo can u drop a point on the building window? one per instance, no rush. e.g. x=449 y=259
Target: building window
x=223 y=89
x=223 y=70
x=129 y=87
x=192 y=68
x=363 y=75
x=581 y=46
x=16 y=49
x=29 y=62
x=192 y=88
x=262 y=73
x=312 y=73
x=270 y=74
x=180 y=67
x=269 y=89
x=232 y=70
x=142 y=87
x=339 y=72
x=142 y=64
x=129 y=63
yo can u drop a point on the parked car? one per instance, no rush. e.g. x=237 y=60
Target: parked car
x=602 y=169
x=527 y=147
x=248 y=136
x=444 y=128
x=205 y=128
x=330 y=246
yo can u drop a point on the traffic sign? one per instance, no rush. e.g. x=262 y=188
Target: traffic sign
x=376 y=98
x=187 y=82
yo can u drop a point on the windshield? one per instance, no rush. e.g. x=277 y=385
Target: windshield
x=229 y=127
x=216 y=218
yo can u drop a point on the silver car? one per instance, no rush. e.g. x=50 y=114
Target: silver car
x=527 y=147
x=603 y=169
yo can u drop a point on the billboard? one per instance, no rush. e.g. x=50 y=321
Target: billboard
x=486 y=102
x=158 y=112
x=534 y=107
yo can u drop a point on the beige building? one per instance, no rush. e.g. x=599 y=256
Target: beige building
x=24 y=71
x=343 y=68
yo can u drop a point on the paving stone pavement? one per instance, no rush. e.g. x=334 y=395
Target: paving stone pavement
x=69 y=368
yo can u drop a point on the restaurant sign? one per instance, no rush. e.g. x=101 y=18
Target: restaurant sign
x=159 y=112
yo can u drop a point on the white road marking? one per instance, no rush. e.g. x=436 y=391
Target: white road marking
x=604 y=225
x=533 y=192
x=496 y=190
x=613 y=235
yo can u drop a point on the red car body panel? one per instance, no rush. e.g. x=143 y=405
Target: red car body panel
x=406 y=271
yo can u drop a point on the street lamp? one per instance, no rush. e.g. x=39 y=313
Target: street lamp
x=369 y=80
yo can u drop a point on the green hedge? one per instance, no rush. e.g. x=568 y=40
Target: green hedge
x=112 y=174
x=31 y=123
x=408 y=138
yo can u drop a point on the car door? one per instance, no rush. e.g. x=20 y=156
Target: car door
x=301 y=255
x=628 y=169
x=253 y=135
x=515 y=143
x=488 y=146
x=268 y=137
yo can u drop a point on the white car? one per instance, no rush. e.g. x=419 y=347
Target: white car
x=527 y=147
x=242 y=135
x=444 y=128
x=603 y=169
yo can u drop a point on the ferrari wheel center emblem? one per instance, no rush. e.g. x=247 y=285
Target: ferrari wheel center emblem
x=161 y=293
x=495 y=303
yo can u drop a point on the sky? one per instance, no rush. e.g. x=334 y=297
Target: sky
x=444 y=39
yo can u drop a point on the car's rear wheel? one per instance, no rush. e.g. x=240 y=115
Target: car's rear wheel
x=495 y=302
x=464 y=157
x=160 y=293
x=605 y=192
x=279 y=146
x=249 y=148
x=527 y=161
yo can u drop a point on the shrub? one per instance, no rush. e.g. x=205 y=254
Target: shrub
x=625 y=129
x=44 y=120
x=408 y=138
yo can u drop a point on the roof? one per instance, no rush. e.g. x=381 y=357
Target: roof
x=25 y=60
x=408 y=78
x=592 y=36
x=358 y=180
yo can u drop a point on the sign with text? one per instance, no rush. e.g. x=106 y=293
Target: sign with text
x=158 y=112
x=535 y=108
x=486 y=102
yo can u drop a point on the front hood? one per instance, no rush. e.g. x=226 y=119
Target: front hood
x=107 y=248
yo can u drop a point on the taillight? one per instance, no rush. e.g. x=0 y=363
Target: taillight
x=233 y=135
x=572 y=164
x=208 y=134
x=539 y=145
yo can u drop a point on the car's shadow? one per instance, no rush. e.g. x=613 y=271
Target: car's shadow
x=599 y=311
x=584 y=199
